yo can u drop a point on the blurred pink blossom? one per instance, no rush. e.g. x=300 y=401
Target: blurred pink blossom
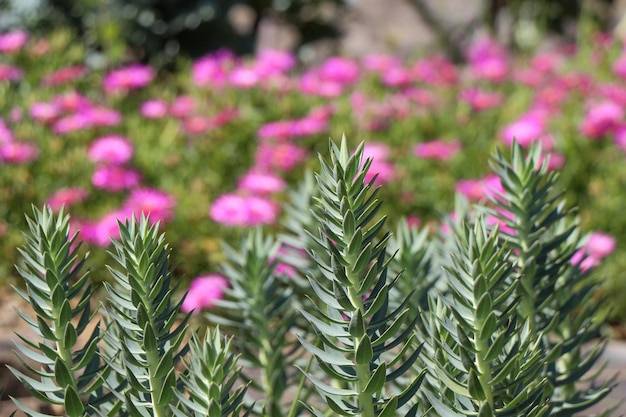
x=10 y=73
x=128 y=78
x=261 y=182
x=111 y=149
x=383 y=171
x=282 y=156
x=437 y=149
x=488 y=60
x=103 y=230
x=380 y=63
x=183 y=106
x=619 y=66
x=66 y=197
x=156 y=203
x=602 y=118
x=13 y=41
x=243 y=211
x=479 y=189
x=6 y=134
x=435 y=70
x=244 y=77
x=203 y=292
x=375 y=151
x=479 y=99
x=44 y=112
x=102 y=116
x=64 y=75
x=18 y=152
x=71 y=123
x=597 y=247
x=154 y=109
x=274 y=61
x=341 y=70
x=197 y=124
x=212 y=69
x=115 y=178
x=71 y=101
x=525 y=130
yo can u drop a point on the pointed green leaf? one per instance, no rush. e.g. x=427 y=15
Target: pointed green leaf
x=72 y=403
x=364 y=353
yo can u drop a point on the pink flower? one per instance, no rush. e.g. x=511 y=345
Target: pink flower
x=262 y=182
x=309 y=126
x=156 y=203
x=525 y=130
x=244 y=77
x=479 y=189
x=153 y=109
x=229 y=210
x=102 y=116
x=481 y=100
x=72 y=102
x=64 y=75
x=212 y=69
x=128 y=78
x=397 y=77
x=383 y=170
x=260 y=211
x=44 y=112
x=182 y=106
x=282 y=156
x=115 y=178
x=203 y=292
x=488 y=60
x=274 y=61
x=341 y=70
x=10 y=73
x=197 y=124
x=66 y=197
x=311 y=83
x=600 y=245
x=18 y=152
x=71 y=123
x=619 y=66
x=280 y=129
x=106 y=228
x=435 y=70
x=236 y=210
x=13 y=41
x=6 y=134
x=113 y=150
x=601 y=119
x=437 y=149
x=375 y=151
x=380 y=63
x=597 y=247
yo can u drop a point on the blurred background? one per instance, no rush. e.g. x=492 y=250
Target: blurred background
x=158 y=31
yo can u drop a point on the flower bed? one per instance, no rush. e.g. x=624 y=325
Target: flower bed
x=210 y=150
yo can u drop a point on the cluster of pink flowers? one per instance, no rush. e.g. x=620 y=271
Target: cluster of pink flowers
x=488 y=60
x=437 y=149
x=156 y=204
x=316 y=122
x=111 y=153
x=331 y=79
x=72 y=112
x=185 y=109
x=128 y=78
x=268 y=70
